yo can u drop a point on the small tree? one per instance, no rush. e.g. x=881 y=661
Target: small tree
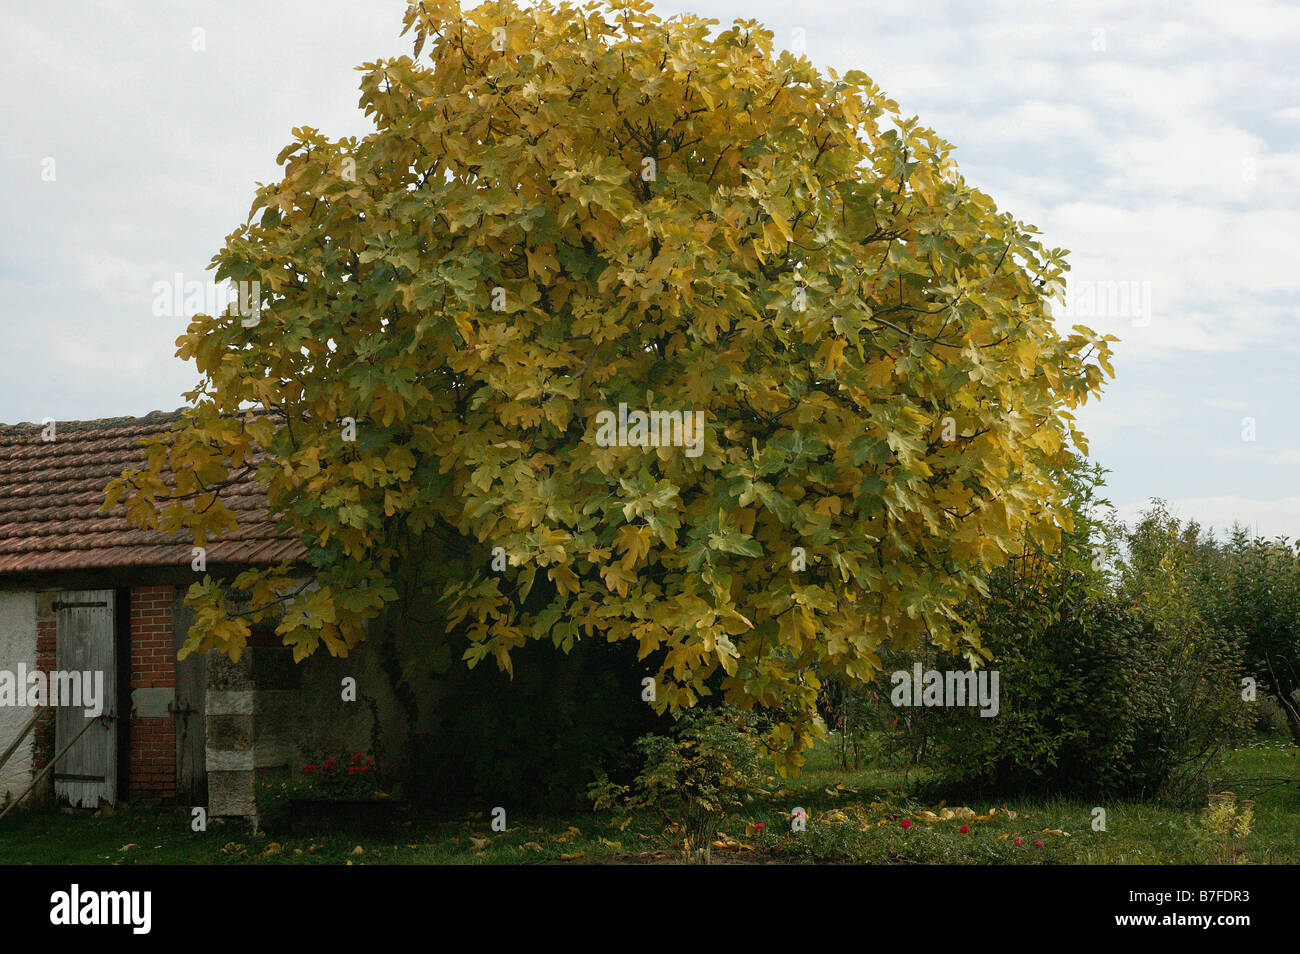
x=1252 y=586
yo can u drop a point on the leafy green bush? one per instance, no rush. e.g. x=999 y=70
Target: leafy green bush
x=1112 y=682
x=1071 y=715
x=709 y=766
x=1198 y=661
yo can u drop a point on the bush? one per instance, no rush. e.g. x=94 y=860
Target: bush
x=1068 y=717
x=1199 y=661
x=1112 y=683
x=1224 y=828
x=707 y=767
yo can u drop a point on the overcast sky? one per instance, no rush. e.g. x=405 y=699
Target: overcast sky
x=1159 y=142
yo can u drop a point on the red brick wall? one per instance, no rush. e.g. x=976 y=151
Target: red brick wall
x=153 y=666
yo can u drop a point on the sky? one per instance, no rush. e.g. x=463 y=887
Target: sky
x=1158 y=141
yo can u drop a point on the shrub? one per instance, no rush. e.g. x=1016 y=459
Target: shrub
x=1112 y=683
x=1198 y=662
x=1073 y=697
x=1224 y=828
x=707 y=767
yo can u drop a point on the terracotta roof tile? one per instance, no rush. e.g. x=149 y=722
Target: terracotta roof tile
x=51 y=492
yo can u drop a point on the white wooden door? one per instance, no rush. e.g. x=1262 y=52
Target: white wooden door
x=87 y=775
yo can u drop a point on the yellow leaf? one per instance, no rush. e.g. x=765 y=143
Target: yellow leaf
x=781 y=224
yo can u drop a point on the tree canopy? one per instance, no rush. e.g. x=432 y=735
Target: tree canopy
x=563 y=209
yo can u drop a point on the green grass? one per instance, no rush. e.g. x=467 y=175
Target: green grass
x=853 y=816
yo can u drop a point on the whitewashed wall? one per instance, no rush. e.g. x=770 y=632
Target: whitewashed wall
x=17 y=645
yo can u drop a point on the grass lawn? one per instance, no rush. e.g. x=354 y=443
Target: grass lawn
x=852 y=817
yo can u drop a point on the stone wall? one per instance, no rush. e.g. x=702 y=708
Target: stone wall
x=243 y=710
x=268 y=717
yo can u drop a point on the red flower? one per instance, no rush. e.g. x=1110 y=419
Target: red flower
x=1017 y=841
x=1038 y=844
x=759 y=826
x=964 y=828
x=352 y=770
x=906 y=823
x=308 y=769
x=330 y=763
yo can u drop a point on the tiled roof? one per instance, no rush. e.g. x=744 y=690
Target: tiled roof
x=51 y=492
